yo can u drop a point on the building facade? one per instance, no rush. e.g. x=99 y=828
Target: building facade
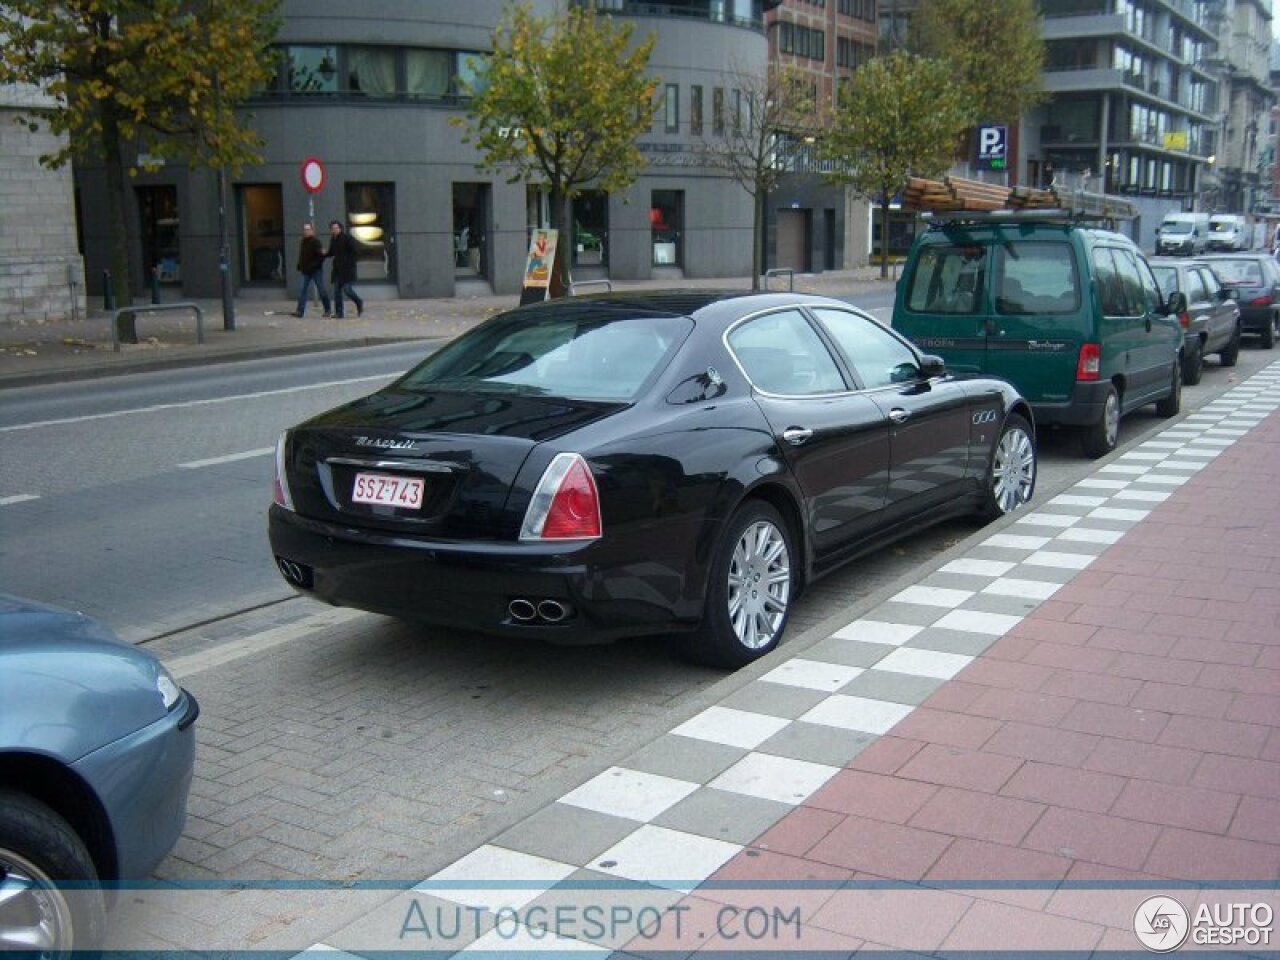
x=372 y=94
x=41 y=272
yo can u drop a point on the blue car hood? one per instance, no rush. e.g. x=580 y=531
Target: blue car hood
x=68 y=686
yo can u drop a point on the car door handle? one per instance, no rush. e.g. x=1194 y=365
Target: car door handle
x=898 y=415
x=796 y=435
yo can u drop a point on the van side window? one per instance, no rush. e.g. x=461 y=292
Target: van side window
x=1135 y=294
x=1036 y=278
x=948 y=279
x=1155 y=303
x=1110 y=289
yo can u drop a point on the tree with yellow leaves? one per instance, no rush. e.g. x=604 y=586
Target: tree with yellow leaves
x=562 y=100
x=160 y=78
x=900 y=116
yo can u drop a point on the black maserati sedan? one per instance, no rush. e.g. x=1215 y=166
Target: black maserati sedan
x=617 y=465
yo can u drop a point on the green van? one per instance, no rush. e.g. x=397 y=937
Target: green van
x=1071 y=315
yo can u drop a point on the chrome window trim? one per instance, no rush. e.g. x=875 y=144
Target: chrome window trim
x=409 y=466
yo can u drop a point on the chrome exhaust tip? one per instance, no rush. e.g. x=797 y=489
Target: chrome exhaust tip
x=552 y=611
x=522 y=610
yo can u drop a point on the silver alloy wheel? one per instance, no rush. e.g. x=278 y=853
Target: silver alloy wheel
x=1111 y=419
x=35 y=917
x=1013 y=469
x=759 y=584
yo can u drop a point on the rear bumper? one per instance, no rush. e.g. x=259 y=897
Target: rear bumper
x=1084 y=407
x=1255 y=319
x=471 y=586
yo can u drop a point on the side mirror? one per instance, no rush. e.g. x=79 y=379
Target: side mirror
x=1177 y=303
x=932 y=366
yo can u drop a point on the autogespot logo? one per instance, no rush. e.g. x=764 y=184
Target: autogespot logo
x=1162 y=924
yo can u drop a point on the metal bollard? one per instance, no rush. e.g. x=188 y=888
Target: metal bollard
x=155 y=284
x=108 y=297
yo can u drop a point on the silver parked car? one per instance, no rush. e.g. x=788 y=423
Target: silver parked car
x=96 y=754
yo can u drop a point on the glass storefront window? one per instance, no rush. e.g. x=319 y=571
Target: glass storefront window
x=158 y=213
x=371 y=221
x=311 y=70
x=262 y=239
x=591 y=228
x=470 y=229
x=666 y=226
x=371 y=71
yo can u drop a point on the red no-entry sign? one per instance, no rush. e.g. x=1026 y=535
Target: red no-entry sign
x=312 y=172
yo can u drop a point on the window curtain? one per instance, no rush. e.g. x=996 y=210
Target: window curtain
x=372 y=71
x=429 y=72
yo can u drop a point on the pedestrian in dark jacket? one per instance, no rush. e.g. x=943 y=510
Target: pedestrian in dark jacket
x=343 y=251
x=311 y=266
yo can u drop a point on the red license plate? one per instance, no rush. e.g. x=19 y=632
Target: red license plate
x=387 y=491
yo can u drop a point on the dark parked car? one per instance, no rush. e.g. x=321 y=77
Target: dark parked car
x=1253 y=280
x=96 y=752
x=620 y=465
x=1211 y=322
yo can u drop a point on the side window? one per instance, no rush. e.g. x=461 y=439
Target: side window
x=781 y=353
x=1195 y=287
x=948 y=279
x=1034 y=277
x=876 y=354
x=1135 y=293
x=1211 y=285
x=1110 y=290
x=1149 y=287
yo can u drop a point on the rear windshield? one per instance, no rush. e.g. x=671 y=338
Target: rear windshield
x=572 y=355
x=1240 y=273
x=1221 y=227
x=1036 y=277
x=948 y=279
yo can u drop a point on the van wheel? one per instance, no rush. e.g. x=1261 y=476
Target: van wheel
x=1171 y=403
x=1012 y=473
x=1229 y=355
x=1193 y=365
x=1099 y=438
x=753 y=580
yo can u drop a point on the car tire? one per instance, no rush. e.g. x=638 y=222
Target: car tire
x=1012 y=469
x=1100 y=437
x=1231 y=352
x=38 y=851
x=737 y=609
x=1269 y=335
x=1171 y=403
x=1193 y=365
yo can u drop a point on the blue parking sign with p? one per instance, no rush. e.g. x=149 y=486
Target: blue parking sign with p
x=993 y=146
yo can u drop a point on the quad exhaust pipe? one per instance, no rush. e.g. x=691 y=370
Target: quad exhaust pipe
x=547 y=611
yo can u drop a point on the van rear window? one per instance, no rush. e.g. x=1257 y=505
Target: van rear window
x=948 y=279
x=1036 y=277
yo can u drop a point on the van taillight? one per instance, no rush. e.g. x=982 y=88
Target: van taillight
x=1090 y=363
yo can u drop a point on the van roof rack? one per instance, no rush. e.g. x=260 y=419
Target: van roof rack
x=956 y=199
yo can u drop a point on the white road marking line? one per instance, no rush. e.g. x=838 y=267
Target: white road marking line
x=229 y=458
x=18 y=498
x=156 y=408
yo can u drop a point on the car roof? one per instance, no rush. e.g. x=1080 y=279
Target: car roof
x=677 y=303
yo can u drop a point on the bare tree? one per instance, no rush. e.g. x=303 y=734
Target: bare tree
x=757 y=125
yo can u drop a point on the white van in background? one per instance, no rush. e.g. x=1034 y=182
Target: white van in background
x=1183 y=234
x=1228 y=231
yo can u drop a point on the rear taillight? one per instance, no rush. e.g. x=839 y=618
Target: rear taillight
x=1185 y=320
x=1090 y=363
x=566 y=503
x=280 y=494
x=1262 y=301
